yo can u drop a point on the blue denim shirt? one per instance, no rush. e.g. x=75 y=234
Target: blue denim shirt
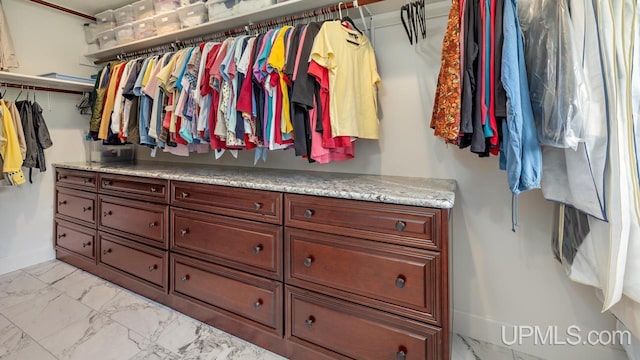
x=521 y=155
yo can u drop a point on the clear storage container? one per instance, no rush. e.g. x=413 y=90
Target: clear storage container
x=100 y=153
x=219 y=9
x=163 y=6
x=143 y=9
x=90 y=33
x=246 y=6
x=193 y=15
x=107 y=39
x=124 y=15
x=143 y=29
x=188 y=2
x=106 y=20
x=124 y=34
x=167 y=22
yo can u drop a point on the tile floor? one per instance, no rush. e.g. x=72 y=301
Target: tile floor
x=54 y=311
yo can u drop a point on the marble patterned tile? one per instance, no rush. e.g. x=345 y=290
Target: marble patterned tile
x=156 y=352
x=95 y=337
x=51 y=271
x=523 y=356
x=465 y=348
x=46 y=314
x=181 y=333
x=88 y=289
x=17 y=287
x=16 y=345
x=138 y=314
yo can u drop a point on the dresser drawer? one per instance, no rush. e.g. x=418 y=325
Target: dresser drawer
x=390 y=277
x=85 y=180
x=143 y=262
x=328 y=325
x=76 y=206
x=247 y=245
x=132 y=187
x=405 y=225
x=249 y=204
x=75 y=238
x=146 y=222
x=249 y=296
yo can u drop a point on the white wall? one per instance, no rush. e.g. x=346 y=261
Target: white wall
x=499 y=277
x=45 y=41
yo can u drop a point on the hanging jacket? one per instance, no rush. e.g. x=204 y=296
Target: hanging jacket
x=36 y=135
x=10 y=148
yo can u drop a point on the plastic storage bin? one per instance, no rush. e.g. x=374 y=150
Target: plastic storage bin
x=100 y=153
x=124 y=15
x=143 y=9
x=107 y=39
x=106 y=20
x=193 y=15
x=124 y=34
x=189 y=2
x=90 y=33
x=219 y=9
x=167 y=22
x=143 y=29
x=245 y=6
x=163 y=6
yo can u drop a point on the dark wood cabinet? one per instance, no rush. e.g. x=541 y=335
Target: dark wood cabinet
x=306 y=277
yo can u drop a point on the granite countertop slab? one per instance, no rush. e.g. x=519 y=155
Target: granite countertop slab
x=424 y=192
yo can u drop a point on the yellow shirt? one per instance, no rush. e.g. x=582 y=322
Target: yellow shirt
x=10 y=147
x=277 y=61
x=353 y=80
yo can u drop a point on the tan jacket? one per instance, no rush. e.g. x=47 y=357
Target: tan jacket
x=8 y=57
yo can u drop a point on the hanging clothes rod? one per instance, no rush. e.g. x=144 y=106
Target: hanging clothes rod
x=40 y=88
x=240 y=30
x=64 y=9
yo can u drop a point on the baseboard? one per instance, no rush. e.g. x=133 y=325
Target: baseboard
x=490 y=331
x=26 y=259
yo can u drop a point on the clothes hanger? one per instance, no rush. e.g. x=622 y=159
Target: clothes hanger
x=420 y=12
x=413 y=21
x=346 y=18
x=405 y=10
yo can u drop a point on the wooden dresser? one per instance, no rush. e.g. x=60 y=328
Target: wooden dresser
x=305 y=276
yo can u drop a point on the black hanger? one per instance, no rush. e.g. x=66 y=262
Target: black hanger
x=405 y=10
x=350 y=21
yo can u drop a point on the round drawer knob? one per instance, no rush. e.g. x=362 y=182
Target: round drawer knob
x=153 y=225
x=154 y=189
x=401 y=225
x=63 y=202
x=401 y=281
x=308 y=214
x=88 y=181
x=257 y=249
x=85 y=209
x=63 y=177
x=257 y=206
x=401 y=355
x=107 y=213
x=86 y=244
x=308 y=261
x=309 y=322
x=257 y=304
x=184 y=232
x=185 y=278
x=107 y=183
x=184 y=195
x=62 y=236
x=153 y=267
x=107 y=251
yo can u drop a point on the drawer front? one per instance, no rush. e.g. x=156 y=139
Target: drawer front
x=148 y=221
x=249 y=245
x=135 y=187
x=383 y=273
x=405 y=225
x=85 y=180
x=141 y=261
x=249 y=296
x=76 y=205
x=357 y=332
x=79 y=239
x=249 y=204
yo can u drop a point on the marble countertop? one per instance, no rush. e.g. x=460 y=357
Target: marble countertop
x=424 y=192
